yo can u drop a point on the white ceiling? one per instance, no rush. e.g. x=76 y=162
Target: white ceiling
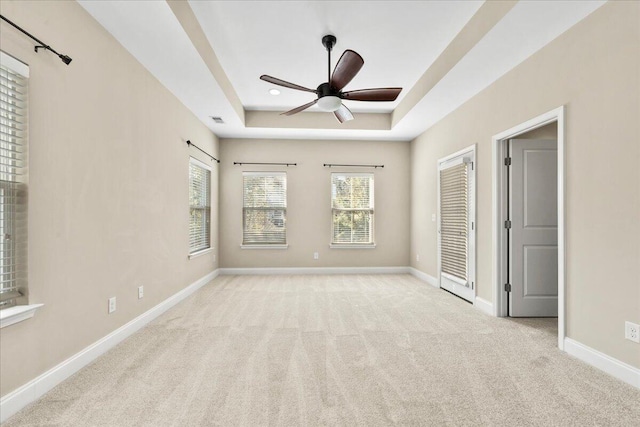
x=398 y=40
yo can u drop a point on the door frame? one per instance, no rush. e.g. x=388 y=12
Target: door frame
x=499 y=214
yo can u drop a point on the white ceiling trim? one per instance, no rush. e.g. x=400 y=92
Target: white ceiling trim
x=527 y=28
x=152 y=34
x=397 y=39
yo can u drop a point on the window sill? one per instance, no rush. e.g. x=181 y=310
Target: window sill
x=199 y=253
x=16 y=314
x=352 y=246
x=264 y=246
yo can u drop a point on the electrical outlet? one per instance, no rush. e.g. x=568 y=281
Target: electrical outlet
x=417 y=257
x=112 y=304
x=316 y=255
x=632 y=332
x=140 y=292
x=214 y=257
x=433 y=217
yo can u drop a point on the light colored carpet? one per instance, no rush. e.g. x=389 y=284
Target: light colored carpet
x=335 y=350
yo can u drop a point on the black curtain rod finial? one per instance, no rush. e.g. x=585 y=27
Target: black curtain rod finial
x=67 y=60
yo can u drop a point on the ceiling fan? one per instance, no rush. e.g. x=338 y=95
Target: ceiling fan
x=330 y=94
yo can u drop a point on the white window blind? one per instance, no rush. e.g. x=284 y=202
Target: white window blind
x=454 y=220
x=264 y=208
x=199 y=206
x=13 y=186
x=352 y=208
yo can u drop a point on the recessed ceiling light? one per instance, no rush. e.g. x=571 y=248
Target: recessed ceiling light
x=274 y=91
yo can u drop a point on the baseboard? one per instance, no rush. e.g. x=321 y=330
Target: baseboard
x=608 y=364
x=34 y=389
x=483 y=305
x=424 y=277
x=314 y=270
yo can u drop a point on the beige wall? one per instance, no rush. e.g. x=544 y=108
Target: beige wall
x=309 y=201
x=109 y=174
x=594 y=70
x=108 y=203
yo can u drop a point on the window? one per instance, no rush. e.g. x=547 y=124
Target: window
x=199 y=206
x=454 y=217
x=13 y=181
x=456 y=237
x=264 y=210
x=352 y=209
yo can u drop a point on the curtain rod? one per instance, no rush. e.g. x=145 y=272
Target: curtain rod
x=353 y=166
x=274 y=164
x=67 y=60
x=191 y=144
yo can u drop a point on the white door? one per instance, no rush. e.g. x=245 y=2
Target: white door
x=533 y=236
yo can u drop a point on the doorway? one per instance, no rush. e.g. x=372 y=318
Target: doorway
x=532 y=224
x=548 y=242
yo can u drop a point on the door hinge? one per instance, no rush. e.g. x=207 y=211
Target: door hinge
x=507 y=287
x=472 y=225
x=471 y=285
x=471 y=165
x=507 y=224
x=507 y=161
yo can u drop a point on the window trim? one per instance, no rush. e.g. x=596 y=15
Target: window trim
x=12 y=315
x=266 y=245
x=367 y=245
x=200 y=252
x=199 y=163
x=352 y=245
x=14 y=63
x=17 y=313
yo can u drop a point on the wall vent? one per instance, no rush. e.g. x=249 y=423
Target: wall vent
x=218 y=120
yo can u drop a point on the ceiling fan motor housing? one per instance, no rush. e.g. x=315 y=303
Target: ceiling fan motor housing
x=325 y=89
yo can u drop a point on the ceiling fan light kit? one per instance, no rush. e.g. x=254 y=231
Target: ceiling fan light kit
x=329 y=103
x=330 y=94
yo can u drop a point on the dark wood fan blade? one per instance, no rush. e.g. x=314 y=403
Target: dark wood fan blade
x=379 y=94
x=280 y=82
x=347 y=67
x=343 y=114
x=300 y=108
